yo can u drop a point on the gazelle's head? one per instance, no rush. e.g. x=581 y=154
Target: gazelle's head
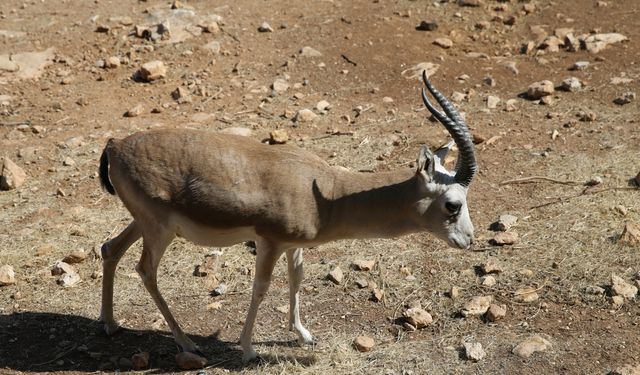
x=444 y=209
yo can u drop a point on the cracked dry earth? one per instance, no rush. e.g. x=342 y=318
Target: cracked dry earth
x=68 y=76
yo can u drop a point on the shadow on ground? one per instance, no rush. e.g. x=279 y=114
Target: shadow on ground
x=43 y=342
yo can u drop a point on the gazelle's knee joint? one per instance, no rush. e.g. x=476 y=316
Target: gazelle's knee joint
x=104 y=250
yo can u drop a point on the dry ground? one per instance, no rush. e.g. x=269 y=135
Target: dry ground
x=568 y=245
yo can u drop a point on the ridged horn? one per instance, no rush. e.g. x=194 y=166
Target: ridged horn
x=466 y=166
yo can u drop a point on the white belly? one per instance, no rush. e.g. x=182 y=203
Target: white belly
x=208 y=236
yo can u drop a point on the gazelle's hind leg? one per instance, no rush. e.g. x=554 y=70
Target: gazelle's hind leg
x=112 y=252
x=155 y=242
x=266 y=256
x=296 y=274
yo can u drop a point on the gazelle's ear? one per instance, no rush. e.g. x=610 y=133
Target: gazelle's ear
x=442 y=152
x=425 y=161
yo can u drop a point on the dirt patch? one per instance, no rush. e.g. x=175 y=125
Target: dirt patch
x=54 y=126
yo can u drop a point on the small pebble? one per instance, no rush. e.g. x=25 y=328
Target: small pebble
x=363 y=343
x=265 y=28
x=474 y=351
x=335 y=275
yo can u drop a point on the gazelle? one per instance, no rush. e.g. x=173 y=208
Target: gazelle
x=219 y=190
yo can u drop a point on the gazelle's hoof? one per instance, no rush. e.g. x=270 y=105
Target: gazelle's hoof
x=307 y=340
x=250 y=356
x=189 y=346
x=111 y=328
x=304 y=336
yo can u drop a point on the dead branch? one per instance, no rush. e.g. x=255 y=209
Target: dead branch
x=15 y=123
x=533 y=179
x=584 y=192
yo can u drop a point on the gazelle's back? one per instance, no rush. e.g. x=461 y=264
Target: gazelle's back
x=221 y=180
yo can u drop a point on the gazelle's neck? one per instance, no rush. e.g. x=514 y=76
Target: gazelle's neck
x=366 y=205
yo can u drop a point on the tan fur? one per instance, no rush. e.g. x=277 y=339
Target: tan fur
x=217 y=190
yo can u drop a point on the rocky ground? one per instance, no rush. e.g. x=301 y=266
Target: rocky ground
x=548 y=88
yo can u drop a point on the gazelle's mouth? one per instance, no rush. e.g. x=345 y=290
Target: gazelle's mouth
x=459 y=243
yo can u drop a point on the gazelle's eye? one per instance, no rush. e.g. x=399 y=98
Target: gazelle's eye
x=453 y=207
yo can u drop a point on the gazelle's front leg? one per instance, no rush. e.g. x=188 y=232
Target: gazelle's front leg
x=266 y=256
x=296 y=274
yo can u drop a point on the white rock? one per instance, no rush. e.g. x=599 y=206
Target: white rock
x=531 y=345
x=77 y=256
x=152 y=70
x=571 y=84
x=112 y=62
x=415 y=72
x=505 y=222
x=280 y=85
x=216 y=305
x=474 y=351
x=443 y=42
x=625 y=98
x=220 y=290
x=454 y=292
x=7 y=275
x=489 y=81
x=620 y=80
x=361 y=282
x=363 y=265
x=278 y=136
x=551 y=44
x=505 y=238
x=458 y=97
x=488 y=280
x=619 y=287
x=492 y=101
x=69 y=279
x=11 y=176
x=363 y=343
x=335 y=276
x=496 y=312
x=526 y=295
x=540 y=89
x=631 y=231
x=377 y=294
x=305 y=115
x=309 y=52
x=323 y=106
x=265 y=28
x=134 y=111
x=418 y=317
x=68 y=162
x=490 y=266
x=477 y=306
x=580 y=65
x=511 y=105
x=60 y=268
x=597 y=42
x=617 y=301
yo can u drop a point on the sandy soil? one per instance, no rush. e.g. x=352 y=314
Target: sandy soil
x=55 y=125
